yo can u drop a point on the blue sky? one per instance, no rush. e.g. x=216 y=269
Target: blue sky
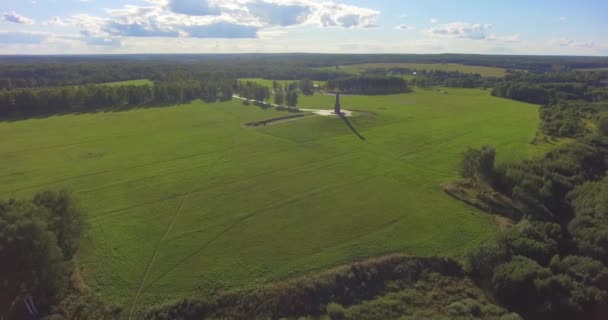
x=348 y=26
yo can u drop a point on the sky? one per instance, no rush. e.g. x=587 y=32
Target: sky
x=554 y=27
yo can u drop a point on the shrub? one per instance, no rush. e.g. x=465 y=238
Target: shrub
x=335 y=311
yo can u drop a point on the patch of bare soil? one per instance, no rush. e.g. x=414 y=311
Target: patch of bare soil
x=483 y=197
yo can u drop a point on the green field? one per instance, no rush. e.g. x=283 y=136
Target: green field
x=483 y=71
x=139 y=82
x=186 y=200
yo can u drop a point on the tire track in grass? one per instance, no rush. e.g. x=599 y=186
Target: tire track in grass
x=248 y=216
x=149 y=268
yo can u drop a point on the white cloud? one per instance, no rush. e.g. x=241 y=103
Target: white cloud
x=506 y=39
x=433 y=20
x=460 y=30
x=218 y=19
x=404 y=27
x=565 y=42
x=14 y=17
x=55 y=21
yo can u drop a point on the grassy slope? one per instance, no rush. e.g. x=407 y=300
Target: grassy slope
x=483 y=71
x=251 y=205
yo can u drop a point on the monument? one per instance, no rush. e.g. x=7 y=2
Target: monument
x=337 y=106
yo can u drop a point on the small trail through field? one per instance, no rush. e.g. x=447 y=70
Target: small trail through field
x=151 y=263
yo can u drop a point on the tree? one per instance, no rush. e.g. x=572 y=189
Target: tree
x=292 y=98
x=64 y=219
x=516 y=282
x=32 y=263
x=279 y=97
x=306 y=86
x=478 y=163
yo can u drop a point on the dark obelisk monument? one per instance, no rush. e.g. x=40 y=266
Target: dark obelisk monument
x=337 y=106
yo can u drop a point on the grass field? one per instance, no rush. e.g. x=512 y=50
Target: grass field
x=139 y=82
x=483 y=71
x=186 y=200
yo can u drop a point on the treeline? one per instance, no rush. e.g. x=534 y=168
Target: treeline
x=28 y=102
x=552 y=263
x=369 y=85
x=553 y=87
x=451 y=79
x=32 y=71
x=310 y=296
x=38 y=239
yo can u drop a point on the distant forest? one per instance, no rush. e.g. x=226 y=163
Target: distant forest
x=34 y=71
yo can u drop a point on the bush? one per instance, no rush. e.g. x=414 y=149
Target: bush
x=478 y=163
x=335 y=311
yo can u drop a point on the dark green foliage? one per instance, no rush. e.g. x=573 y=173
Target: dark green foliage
x=517 y=282
x=65 y=219
x=562 y=120
x=306 y=87
x=540 y=268
x=589 y=227
x=552 y=87
x=46 y=101
x=335 y=311
x=522 y=92
x=540 y=186
x=603 y=125
x=252 y=91
x=478 y=163
x=369 y=85
x=291 y=98
x=453 y=79
x=37 y=240
x=535 y=240
x=310 y=296
x=279 y=97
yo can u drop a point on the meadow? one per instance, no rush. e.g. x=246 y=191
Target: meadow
x=186 y=200
x=481 y=70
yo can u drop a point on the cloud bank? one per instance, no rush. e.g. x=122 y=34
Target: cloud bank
x=14 y=17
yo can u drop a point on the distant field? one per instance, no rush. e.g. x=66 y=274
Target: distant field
x=483 y=71
x=192 y=201
x=139 y=82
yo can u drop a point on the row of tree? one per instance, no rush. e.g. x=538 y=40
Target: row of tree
x=27 y=102
x=553 y=87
